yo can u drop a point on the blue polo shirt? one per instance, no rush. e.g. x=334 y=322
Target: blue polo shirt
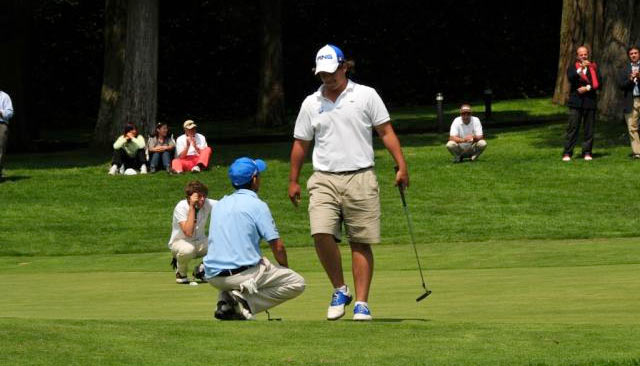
x=238 y=222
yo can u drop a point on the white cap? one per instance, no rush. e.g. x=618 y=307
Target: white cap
x=189 y=124
x=328 y=59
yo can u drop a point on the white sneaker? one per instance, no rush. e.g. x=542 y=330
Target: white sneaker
x=566 y=158
x=588 y=157
x=113 y=170
x=122 y=169
x=143 y=169
x=195 y=169
x=339 y=300
x=180 y=279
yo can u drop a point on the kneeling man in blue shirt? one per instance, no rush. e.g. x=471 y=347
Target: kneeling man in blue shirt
x=248 y=282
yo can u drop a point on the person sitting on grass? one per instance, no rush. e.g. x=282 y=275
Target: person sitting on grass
x=188 y=239
x=465 y=136
x=192 y=152
x=160 y=147
x=248 y=283
x=128 y=152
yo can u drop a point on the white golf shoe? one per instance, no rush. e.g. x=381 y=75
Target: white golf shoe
x=339 y=300
x=113 y=170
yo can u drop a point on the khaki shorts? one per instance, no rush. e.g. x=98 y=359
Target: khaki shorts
x=349 y=198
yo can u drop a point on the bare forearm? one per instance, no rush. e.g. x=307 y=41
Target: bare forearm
x=189 y=225
x=298 y=152
x=279 y=252
x=391 y=142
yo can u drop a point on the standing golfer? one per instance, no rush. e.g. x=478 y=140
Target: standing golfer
x=343 y=189
x=465 y=136
x=248 y=282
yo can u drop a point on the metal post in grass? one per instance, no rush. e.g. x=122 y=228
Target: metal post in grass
x=488 y=96
x=439 y=99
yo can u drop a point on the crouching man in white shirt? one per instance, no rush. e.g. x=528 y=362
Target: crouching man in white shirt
x=465 y=137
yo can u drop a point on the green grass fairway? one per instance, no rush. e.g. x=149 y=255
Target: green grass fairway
x=532 y=261
x=521 y=304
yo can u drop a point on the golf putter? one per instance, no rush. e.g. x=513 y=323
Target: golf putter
x=269 y=318
x=427 y=292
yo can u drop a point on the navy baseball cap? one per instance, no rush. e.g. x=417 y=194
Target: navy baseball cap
x=243 y=169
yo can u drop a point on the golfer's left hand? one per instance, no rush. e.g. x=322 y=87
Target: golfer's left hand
x=402 y=178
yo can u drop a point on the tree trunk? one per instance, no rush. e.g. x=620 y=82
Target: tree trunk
x=616 y=36
x=15 y=26
x=115 y=32
x=271 y=111
x=607 y=28
x=139 y=91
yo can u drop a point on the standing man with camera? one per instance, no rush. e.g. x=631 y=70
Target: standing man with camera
x=6 y=112
x=340 y=118
x=188 y=238
x=628 y=82
x=584 y=80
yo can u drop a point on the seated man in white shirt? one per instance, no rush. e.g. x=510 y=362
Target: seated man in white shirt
x=192 y=152
x=465 y=137
x=188 y=238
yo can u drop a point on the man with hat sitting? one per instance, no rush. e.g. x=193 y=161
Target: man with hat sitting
x=248 y=282
x=192 y=152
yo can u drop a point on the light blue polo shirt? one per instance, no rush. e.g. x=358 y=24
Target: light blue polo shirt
x=238 y=222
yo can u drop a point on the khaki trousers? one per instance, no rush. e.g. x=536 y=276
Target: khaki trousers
x=184 y=251
x=466 y=149
x=632 y=125
x=262 y=286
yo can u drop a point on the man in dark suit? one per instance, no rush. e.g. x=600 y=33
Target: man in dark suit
x=584 y=80
x=628 y=82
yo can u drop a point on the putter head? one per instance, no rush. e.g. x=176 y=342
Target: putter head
x=423 y=296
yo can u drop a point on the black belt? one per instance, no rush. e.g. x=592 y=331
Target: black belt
x=349 y=171
x=231 y=272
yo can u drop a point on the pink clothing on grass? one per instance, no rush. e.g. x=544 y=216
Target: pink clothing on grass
x=189 y=161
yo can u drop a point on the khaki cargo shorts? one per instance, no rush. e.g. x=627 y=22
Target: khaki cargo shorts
x=349 y=198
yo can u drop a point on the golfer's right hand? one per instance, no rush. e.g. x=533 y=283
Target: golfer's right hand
x=294 y=193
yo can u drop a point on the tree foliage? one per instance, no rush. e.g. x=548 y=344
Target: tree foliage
x=209 y=54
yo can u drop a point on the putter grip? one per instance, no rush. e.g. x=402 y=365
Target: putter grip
x=404 y=203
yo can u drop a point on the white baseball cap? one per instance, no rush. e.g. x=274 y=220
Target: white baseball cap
x=328 y=59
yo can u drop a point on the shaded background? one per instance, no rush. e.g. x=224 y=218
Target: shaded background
x=209 y=54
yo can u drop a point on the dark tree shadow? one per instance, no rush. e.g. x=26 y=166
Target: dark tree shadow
x=399 y=320
x=13 y=178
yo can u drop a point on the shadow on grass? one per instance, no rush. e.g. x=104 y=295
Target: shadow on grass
x=80 y=158
x=13 y=178
x=607 y=134
x=399 y=320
